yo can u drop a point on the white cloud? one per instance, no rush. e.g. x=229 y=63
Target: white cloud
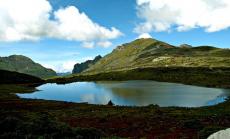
x=88 y=44
x=30 y=20
x=144 y=36
x=86 y=58
x=104 y=44
x=68 y=66
x=24 y=19
x=183 y=15
x=64 y=65
x=73 y=25
x=61 y=66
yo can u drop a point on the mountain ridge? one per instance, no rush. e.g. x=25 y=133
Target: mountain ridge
x=150 y=59
x=143 y=53
x=23 y=64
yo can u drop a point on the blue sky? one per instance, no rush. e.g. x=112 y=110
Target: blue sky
x=129 y=17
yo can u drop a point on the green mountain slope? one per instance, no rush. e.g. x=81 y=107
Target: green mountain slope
x=78 y=68
x=25 y=65
x=143 y=53
x=9 y=77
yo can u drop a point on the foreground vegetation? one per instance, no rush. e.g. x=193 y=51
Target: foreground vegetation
x=10 y=77
x=26 y=118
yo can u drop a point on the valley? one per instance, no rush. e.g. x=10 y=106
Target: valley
x=143 y=59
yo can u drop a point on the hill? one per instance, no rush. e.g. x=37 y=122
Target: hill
x=25 y=65
x=150 y=59
x=10 y=77
x=78 y=68
x=143 y=53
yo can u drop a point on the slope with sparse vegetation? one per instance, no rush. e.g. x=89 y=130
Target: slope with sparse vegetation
x=143 y=53
x=150 y=59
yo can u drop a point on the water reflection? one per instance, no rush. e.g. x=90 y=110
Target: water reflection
x=137 y=93
x=165 y=94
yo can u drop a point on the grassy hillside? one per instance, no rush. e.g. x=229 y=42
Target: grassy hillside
x=9 y=77
x=25 y=65
x=149 y=59
x=143 y=53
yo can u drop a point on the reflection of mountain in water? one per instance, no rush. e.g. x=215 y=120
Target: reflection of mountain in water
x=164 y=94
x=131 y=93
x=221 y=98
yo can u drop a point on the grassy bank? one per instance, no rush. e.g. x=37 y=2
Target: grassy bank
x=26 y=118
x=202 y=76
x=11 y=77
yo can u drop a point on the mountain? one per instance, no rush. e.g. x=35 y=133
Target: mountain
x=150 y=59
x=25 y=65
x=143 y=53
x=78 y=68
x=10 y=77
x=63 y=73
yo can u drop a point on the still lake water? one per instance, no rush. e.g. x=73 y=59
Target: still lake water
x=131 y=93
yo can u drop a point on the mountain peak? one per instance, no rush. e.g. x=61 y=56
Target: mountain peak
x=185 y=46
x=149 y=52
x=136 y=44
x=141 y=40
x=19 y=57
x=23 y=64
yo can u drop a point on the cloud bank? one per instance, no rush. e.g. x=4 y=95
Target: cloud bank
x=64 y=65
x=182 y=15
x=61 y=67
x=35 y=20
x=144 y=36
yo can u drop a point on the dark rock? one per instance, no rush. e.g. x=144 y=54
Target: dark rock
x=110 y=103
x=78 y=68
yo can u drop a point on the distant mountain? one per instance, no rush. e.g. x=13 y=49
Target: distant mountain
x=9 y=77
x=78 y=68
x=185 y=46
x=25 y=65
x=143 y=53
x=64 y=73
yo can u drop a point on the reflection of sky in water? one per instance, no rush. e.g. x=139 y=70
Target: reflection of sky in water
x=132 y=93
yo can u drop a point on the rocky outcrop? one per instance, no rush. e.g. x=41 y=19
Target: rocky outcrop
x=78 y=68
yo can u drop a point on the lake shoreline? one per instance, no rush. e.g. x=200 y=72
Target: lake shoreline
x=131 y=93
x=215 y=77
x=110 y=121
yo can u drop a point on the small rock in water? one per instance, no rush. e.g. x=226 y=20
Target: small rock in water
x=223 y=134
x=110 y=103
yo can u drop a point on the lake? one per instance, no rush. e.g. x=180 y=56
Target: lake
x=131 y=93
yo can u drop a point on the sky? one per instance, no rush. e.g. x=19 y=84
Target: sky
x=61 y=33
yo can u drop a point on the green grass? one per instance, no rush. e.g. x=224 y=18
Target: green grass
x=143 y=53
x=201 y=76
